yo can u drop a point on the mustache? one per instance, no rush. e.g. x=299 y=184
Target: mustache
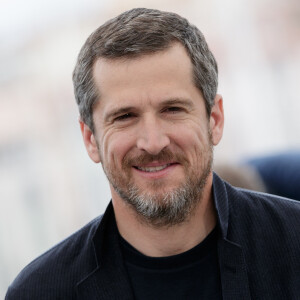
x=164 y=156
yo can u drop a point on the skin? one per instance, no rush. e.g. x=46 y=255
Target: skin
x=147 y=105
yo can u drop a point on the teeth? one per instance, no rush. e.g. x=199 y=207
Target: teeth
x=153 y=169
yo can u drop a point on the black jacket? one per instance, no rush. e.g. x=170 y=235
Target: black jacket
x=258 y=249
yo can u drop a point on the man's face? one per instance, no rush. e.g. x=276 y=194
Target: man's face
x=152 y=134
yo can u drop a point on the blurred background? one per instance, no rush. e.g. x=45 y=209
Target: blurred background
x=48 y=186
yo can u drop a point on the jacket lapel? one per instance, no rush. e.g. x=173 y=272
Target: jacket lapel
x=232 y=263
x=233 y=271
x=105 y=284
x=109 y=279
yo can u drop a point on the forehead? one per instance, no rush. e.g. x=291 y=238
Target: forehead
x=152 y=77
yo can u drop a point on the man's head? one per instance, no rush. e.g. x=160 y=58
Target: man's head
x=150 y=125
x=139 y=32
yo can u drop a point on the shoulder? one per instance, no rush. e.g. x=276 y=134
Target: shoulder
x=243 y=207
x=257 y=215
x=262 y=204
x=267 y=230
x=59 y=268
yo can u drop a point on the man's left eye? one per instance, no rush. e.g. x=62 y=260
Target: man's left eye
x=124 y=117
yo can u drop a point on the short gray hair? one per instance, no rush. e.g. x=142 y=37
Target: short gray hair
x=138 y=32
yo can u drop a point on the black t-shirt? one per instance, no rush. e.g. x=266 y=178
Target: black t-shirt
x=193 y=274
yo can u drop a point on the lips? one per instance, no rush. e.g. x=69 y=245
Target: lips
x=153 y=169
x=148 y=164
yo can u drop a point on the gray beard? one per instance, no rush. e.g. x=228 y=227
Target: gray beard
x=172 y=208
x=168 y=209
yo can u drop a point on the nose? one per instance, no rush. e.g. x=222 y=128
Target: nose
x=152 y=137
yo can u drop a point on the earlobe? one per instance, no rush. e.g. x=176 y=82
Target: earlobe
x=217 y=120
x=90 y=142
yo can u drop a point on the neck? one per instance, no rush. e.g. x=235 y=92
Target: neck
x=169 y=240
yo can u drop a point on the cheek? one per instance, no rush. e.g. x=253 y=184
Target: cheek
x=191 y=136
x=115 y=146
x=193 y=141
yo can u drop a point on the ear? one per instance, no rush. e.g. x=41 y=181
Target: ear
x=90 y=142
x=216 y=121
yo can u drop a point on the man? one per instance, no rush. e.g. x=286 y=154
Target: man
x=146 y=83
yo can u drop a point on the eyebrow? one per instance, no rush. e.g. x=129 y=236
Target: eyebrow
x=178 y=101
x=168 y=102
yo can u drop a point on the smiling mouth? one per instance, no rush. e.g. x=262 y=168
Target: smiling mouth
x=152 y=169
